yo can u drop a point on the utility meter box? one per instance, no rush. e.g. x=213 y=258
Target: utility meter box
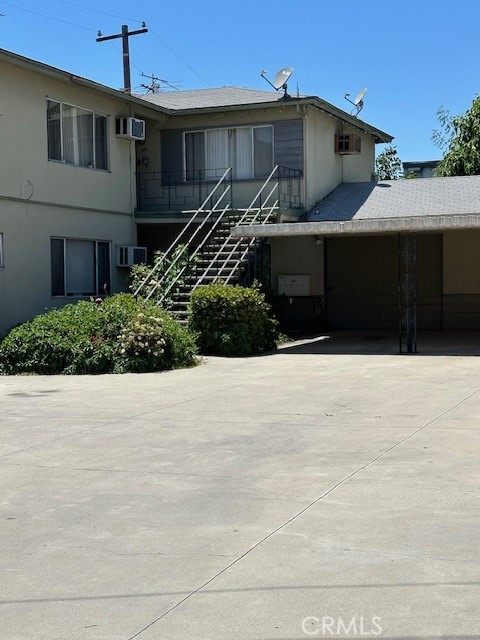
x=293 y=285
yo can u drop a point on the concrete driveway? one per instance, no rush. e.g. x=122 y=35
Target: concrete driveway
x=329 y=490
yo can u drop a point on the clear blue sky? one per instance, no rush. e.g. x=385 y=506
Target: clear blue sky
x=413 y=56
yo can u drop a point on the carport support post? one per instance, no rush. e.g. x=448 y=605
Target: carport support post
x=407 y=300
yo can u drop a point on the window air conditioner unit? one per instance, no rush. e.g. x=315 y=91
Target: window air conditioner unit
x=128 y=256
x=348 y=144
x=130 y=128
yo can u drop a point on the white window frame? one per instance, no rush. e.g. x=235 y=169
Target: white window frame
x=204 y=131
x=94 y=114
x=98 y=291
x=2 y=264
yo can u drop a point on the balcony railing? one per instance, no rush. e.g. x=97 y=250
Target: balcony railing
x=174 y=191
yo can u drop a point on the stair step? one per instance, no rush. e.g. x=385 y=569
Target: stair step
x=203 y=264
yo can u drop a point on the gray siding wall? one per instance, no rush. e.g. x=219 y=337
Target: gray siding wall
x=288 y=144
x=172 y=150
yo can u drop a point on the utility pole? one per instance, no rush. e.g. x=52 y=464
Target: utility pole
x=126 y=51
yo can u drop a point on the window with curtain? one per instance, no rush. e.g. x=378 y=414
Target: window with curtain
x=80 y=267
x=76 y=136
x=248 y=150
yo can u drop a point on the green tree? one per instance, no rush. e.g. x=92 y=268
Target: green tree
x=388 y=165
x=460 y=141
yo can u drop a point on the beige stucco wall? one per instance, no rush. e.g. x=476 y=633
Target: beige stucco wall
x=360 y=168
x=26 y=172
x=298 y=255
x=326 y=169
x=41 y=198
x=25 y=278
x=461 y=264
x=323 y=166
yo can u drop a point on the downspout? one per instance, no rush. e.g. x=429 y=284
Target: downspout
x=132 y=179
x=305 y=165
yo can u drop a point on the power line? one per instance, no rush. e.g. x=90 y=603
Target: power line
x=131 y=61
x=43 y=15
x=80 y=26
x=74 y=4
x=112 y=15
x=180 y=58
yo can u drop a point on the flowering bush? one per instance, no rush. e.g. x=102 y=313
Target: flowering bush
x=116 y=335
x=142 y=342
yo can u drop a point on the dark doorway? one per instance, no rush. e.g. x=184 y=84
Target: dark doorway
x=362 y=282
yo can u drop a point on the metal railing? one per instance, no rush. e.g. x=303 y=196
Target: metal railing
x=164 y=191
x=178 y=191
x=202 y=212
x=289 y=187
x=223 y=268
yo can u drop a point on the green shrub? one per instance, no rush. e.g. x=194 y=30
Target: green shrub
x=231 y=321
x=118 y=334
x=168 y=277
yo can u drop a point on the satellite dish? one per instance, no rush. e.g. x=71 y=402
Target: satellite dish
x=358 y=101
x=280 y=80
x=359 y=97
x=282 y=77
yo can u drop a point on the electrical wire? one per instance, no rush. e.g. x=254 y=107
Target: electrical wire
x=74 y=4
x=112 y=15
x=43 y=15
x=180 y=58
x=80 y=26
x=120 y=51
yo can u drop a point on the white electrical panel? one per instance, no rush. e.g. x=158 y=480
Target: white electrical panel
x=294 y=285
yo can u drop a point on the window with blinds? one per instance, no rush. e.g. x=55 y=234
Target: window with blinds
x=80 y=267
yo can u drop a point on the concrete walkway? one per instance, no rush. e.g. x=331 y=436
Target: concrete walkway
x=329 y=490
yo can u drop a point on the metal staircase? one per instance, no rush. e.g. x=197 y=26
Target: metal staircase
x=210 y=253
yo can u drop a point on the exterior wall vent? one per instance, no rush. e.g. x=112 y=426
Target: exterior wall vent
x=130 y=128
x=348 y=144
x=127 y=256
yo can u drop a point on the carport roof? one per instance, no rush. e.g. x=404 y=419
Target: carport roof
x=421 y=204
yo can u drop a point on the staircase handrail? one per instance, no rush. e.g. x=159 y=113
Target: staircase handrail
x=210 y=213
x=259 y=193
x=251 y=222
x=194 y=254
x=252 y=240
x=176 y=242
x=242 y=219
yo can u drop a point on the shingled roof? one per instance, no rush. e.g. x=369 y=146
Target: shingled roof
x=400 y=198
x=207 y=98
x=396 y=206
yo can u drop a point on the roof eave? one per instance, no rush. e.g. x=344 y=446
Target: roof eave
x=65 y=76
x=380 y=136
x=420 y=224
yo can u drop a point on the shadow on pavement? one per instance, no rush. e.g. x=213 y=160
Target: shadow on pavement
x=429 y=343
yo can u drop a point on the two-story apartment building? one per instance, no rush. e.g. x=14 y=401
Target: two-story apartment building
x=72 y=190
x=74 y=187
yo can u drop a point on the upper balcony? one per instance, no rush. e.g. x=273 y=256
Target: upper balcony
x=163 y=193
